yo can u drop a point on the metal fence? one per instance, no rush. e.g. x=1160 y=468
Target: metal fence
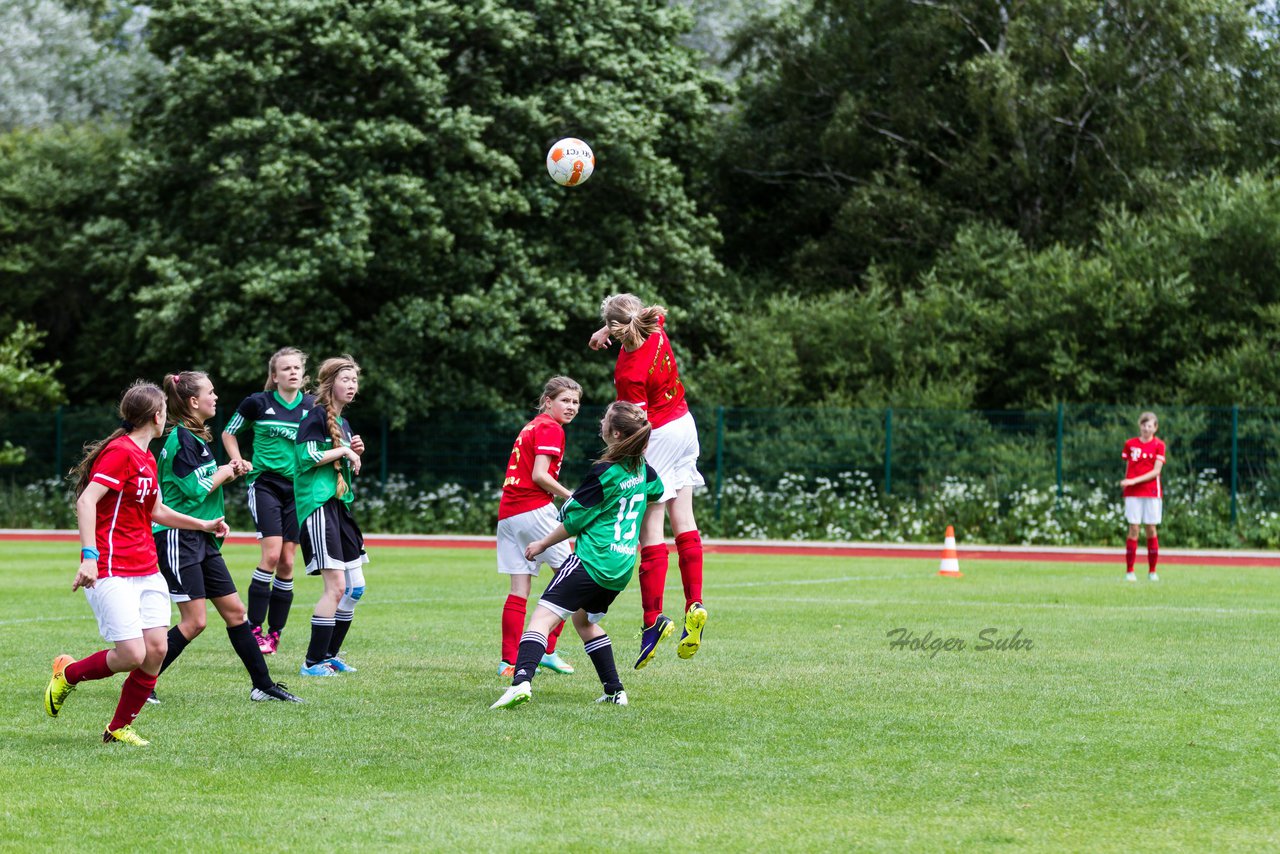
x=905 y=451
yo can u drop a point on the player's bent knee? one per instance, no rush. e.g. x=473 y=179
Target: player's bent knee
x=356 y=592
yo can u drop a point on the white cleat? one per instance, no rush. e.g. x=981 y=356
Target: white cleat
x=1129 y=576
x=1151 y=576
x=514 y=696
x=618 y=699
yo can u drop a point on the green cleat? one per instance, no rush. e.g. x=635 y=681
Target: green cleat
x=58 y=691
x=553 y=661
x=124 y=735
x=691 y=639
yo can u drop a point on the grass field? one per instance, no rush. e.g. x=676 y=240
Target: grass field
x=1143 y=717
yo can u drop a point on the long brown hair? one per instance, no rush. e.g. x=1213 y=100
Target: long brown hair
x=554 y=388
x=179 y=388
x=632 y=426
x=630 y=321
x=138 y=406
x=329 y=370
x=271 y=384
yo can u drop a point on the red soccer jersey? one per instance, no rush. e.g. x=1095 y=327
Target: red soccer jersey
x=543 y=435
x=123 y=532
x=1140 y=457
x=649 y=378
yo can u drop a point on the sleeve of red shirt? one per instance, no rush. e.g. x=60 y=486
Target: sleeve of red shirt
x=111 y=469
x=630 y=389
x=1160 y=452
x=548 y=440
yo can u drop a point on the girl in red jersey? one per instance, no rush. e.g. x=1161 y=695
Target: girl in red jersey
x=1143 y=497
x=646 y=375
x=119 y=497
x=526 y=513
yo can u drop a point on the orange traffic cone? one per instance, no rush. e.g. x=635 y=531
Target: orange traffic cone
x=950 y=563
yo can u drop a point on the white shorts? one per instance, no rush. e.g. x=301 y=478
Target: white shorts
x=127 y=604
x=516 y=532
x=673 y=453
x=1143 y=511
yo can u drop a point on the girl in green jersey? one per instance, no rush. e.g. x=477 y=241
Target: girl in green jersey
x=604 y=515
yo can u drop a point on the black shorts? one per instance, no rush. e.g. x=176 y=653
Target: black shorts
x=331 y=539
x=192 y=566
x=271 y=504
x=573 y=588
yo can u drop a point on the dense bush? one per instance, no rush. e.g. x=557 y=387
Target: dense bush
x=849 y=507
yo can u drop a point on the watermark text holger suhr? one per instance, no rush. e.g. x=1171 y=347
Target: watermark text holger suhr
x=989 y=640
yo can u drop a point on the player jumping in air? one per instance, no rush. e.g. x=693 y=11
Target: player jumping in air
x=646 y=375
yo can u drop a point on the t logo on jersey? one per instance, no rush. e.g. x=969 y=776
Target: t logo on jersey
x=145 y=485
x=1135 y=453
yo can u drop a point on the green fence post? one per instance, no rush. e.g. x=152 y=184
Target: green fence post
x=719 y=456
x=888 y=451
x=57 y=444
x=382 y=468
x=1235 y=432
x=1059 y=447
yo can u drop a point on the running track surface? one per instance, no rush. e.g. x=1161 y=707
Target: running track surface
x=1055 y=554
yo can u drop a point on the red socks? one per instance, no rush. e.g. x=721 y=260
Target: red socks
x=689 y=549
x=512 y=627
x=1130 y=554
x=87 y=669
x=513 y=611
x=1153 y=553
x=653 y=578
x=553 y=637
x=133 y=696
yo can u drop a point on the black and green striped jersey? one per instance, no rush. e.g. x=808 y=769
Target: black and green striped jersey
x=185 y=470
x=314 y=485
x=275 y=429
x=604 y=513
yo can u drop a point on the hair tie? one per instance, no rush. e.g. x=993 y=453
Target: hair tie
x=127 y=425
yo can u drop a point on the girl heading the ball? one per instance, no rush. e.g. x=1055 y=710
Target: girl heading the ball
x=647 y=376
x=604 y=515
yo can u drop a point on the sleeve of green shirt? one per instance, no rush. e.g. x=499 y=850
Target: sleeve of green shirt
x=584 y=505
x=311 y=439
x=193 y=465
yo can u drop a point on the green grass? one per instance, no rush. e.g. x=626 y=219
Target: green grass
x=1144 y=717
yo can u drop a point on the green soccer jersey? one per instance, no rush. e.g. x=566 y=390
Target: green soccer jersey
x=186 y=468
x=604 y=514
x=313 y=485
x=275 y=430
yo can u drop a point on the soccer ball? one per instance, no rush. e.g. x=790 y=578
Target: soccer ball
x=570 y=162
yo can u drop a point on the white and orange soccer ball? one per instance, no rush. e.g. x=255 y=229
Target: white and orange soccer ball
x=570 y=162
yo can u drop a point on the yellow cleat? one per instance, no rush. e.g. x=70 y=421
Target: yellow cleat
x=56 y=694
x=694 y=621
x=124 y=735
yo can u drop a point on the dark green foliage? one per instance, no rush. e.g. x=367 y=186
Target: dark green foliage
x=369 y=177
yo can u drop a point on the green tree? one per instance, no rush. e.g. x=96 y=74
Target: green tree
x=368 y=176
x=24 y=382
x=871 y=130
